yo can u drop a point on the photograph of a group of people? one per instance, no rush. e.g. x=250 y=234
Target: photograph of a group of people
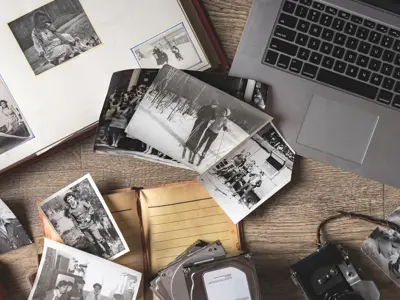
x=383 y=247
x=173 y=47
x=250 y=174
x=70 y=274
x=53 y=34
x=192 y=121
x=126 y=91
x=80 y=216
x=13 y=128
x=12 y=234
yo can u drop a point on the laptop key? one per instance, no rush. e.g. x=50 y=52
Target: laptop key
x=309 y=70
x=382 y=28
x=326 y=48
x=338 y=52
x=364 y=75
x=362 y=61
x=397 y=60
x=339 y=39
x=352 y=71
x=303 y=26
x=352 y=43
x=296 y=65
x=344 y=15
x=327 y=34
x=303 y=54
x=394 y=32
x=364 y=47
x=385 y=97
x=285 y=33
x=387 y=69
x=301 y=39
x=283 y=61
x=397 y=87
x=318 y=5
x=396 y=46
x=328 y=62
x=271 y=57
x=338 y=24
x=376 y=51
x=306 y=2
x=362 y=33
x=313 y=15
x=301 y=11
x=388 y=56
x=396 y=101
x=350 y=56
x=396 y=73
x=326 y=20
x=331 y=10
x=287 y=20
x=374 y=37
x=315 y=58
x=388 y=83
x=289 y=7
x=340 y=66
x=356 y=19
x=376 y=79
x=350 y=28
x=374 y=65
x=282 y=46
x=347 y=84
x=315 y=30
x=387 y=41
x=314 y=44
x=369 y=23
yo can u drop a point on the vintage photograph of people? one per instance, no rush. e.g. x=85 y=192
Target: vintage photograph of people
x=68 y=273
x=126 y=91
x=251 y=173
x=53 y=34
x=12 y=234
x=173 y=47
x=383 y=248
x=14 y=129
x=80 y=216
x=192 y=121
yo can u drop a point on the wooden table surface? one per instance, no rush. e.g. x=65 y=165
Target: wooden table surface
x=279 y=233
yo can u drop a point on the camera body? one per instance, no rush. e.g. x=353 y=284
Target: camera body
x=328 y=274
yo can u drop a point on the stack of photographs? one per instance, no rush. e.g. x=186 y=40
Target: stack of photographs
x=204 y=271
x=207 y=122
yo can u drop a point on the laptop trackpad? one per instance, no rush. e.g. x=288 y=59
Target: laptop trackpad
x=338 y=129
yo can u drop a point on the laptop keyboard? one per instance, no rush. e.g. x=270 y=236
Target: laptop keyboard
x=338 y=48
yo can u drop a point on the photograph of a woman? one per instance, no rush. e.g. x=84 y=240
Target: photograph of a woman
x=13 y=127
x=53 y=34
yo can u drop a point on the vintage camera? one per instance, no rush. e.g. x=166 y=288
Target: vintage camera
x=328 y=274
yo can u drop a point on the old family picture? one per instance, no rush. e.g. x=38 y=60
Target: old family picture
x=250 y=174
x=173 y=47
x=80 y=216
x=14 y=129
x=192 y=121
x=67 y=273
x=12 y=234
x=383 y=248
x=53 y=34
x=126 y=91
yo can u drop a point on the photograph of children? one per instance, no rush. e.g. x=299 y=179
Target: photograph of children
x=126 y=91
x=80 y=216
x=14 y=129
x=383 y=248
x=66 y=273
x=53 y=34
x=250 y=174
x=192 y=121
x=12 y=234
x=173 y=47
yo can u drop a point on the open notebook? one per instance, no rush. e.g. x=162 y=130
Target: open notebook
x=160 y=222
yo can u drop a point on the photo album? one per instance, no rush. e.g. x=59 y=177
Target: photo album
x=65 y=51
x=208 y=122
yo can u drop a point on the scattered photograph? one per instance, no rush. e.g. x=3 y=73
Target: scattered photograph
x=126 y=91
x=53 y=34
x=14 y=129
x=192 y=121
x=250 y=174
x=12 y=234
x=383 y=248
x=68 y=273
x=173 y=47
x=80 y=216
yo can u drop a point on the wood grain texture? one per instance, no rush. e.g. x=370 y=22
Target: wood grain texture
x=279 y=233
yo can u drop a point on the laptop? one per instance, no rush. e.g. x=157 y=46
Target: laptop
x=334 y=69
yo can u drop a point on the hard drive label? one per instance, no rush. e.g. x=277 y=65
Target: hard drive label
x=227 y=283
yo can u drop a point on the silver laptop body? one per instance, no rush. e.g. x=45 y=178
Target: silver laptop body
x=357 y=132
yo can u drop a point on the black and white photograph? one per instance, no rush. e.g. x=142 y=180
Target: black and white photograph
x=191 y=121
x=250 y=174
x=14 y=129
x=54 y=33
x=383 y=248
x=12 y=235
x=68 y=273
x=126 y=91
x=173 y=46
x=80 y=216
